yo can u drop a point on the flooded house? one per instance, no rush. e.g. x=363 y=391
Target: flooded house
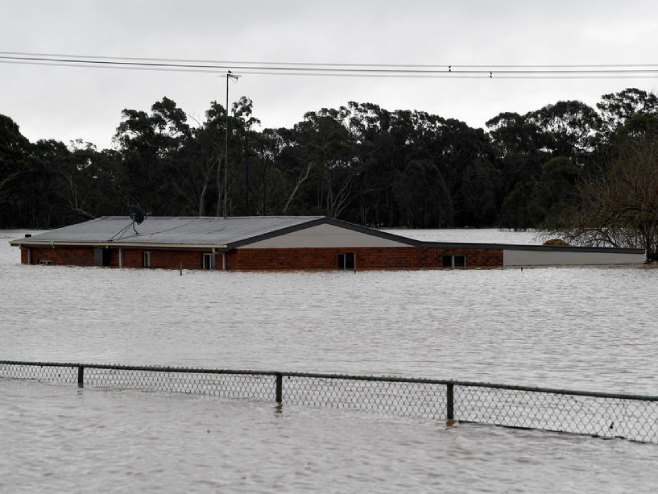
x=278 y=243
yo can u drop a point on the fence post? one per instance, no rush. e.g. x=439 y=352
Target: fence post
x=279 y=388
x=81 y=376
x=450 y=402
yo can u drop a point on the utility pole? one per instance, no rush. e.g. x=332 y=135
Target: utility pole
x=229 y=75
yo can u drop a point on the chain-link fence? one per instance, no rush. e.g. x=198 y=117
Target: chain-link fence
x=386 y=396
x=597 y=414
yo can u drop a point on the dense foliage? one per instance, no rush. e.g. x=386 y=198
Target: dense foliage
x=360 y=163
x=619 y=205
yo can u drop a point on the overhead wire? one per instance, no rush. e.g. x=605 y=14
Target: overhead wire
x=318 y=64
x=459 y=71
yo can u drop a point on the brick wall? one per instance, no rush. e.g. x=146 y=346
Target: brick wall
x=366 y=258
x=132 y=258
x=274 y=259
x=164 y=259
x=69 y=256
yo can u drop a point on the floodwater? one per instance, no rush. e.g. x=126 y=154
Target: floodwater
x=61 y=439
x=577 y=328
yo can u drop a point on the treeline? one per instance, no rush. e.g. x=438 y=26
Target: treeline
x=360 y=163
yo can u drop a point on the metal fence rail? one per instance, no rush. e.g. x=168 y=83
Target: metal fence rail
x=606 y=415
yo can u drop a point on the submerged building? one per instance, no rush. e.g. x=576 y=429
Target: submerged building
x=281 y=243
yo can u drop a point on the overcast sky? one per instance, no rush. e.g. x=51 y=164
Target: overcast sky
x=70 y=103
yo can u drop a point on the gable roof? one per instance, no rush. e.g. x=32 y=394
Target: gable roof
x=190 y=232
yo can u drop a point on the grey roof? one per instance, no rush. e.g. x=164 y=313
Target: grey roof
x=182 y=231
x=232 y=232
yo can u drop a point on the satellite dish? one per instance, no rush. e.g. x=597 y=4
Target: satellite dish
x=136 y=214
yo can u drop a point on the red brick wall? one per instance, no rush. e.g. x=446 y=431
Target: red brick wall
x=366 y=258
x=68 y=256
x=275 y=259
x=132 y=258
x=165 y=259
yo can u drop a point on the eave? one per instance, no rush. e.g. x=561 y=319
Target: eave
x=131 y=245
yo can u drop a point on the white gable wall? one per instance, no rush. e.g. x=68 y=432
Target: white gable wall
x=323 y=236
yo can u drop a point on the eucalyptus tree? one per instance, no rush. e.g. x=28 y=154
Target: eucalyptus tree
x=320 y=160
x=617 y=108
x=528 y=147
x=48 y=206
x=245 y=157
x=567 y=128
x=196 y=175
x=14 y=151
x=150 y=145
x=466 y=159
x=423 y=196
x=86 y=181
x=519 y=150
x=381 y=146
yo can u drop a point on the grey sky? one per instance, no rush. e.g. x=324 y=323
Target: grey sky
x=68 y=103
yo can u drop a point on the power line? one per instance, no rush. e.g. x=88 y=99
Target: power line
x=321 y=64
x=509 y=71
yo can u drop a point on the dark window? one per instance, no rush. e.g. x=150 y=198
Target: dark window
x=347 y=260
x=147 y=259
x=208 y=261
x=102 y=256
x=454 y=261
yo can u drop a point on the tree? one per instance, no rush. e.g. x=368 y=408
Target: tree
x=332 y=149
x=617 y=108
x=87 y=181
x=519 y=211
x=14 y=166
x=13 y=149
x=514 y=134
x=465 y=158
x=519 y=151
x=423 y=196
x=319 y=158
x=244 y=156
x=150 y=145
x=197 y=173
x=358 y=162
x=621 y=208
x=568 y=128
x=555 y=191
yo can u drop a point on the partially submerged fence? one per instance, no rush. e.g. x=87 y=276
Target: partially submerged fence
x=605 y=415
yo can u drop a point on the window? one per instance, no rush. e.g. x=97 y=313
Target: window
x=347 y=260
x=454 y=262
x=208 y=261
x=147 y=259
x=102 y=256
